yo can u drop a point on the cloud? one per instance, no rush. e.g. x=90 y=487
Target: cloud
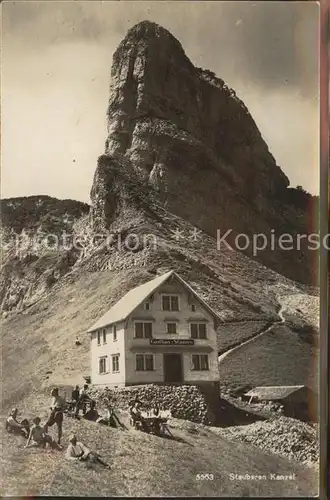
x=276 y=44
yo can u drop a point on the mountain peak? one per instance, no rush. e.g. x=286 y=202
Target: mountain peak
x=149 y=30
x=183 y=135
x=147 y=37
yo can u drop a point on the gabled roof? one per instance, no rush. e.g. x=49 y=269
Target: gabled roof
x=129 y=302
x=274 y=392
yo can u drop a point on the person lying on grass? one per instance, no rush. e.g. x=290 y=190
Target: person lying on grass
x=13 y=425
x=39 y=436
x=78 y=451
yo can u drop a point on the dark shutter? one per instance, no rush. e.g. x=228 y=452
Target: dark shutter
x=139 y=330
x=166 y=303
x=147 y=330
x=193 y=330
x=204 y=362
x=149 y=360
x=139 y=362
x=174 y=303
x=202 y=330
x=195 y=362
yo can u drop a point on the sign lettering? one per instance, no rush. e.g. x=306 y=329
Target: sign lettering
x=171 y=341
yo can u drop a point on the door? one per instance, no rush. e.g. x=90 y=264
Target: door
x=172 y=368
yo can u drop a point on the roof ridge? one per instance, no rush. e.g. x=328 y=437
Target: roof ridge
x=135 y=296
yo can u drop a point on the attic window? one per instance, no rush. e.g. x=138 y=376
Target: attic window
x=193 y=307
x=147 y=306
x=170 y=303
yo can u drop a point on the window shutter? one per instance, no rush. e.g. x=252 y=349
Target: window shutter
x=202 y=330
x=139 y=362
x=174 y=303
x=147 y=330
x=193 y=331
x=139 y=330
x=195 y=361
x=149 y=361
x=166 y=303
x=204 y=362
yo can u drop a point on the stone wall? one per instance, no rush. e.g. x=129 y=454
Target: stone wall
x=187 y=402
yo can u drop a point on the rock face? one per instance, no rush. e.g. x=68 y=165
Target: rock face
x=36 y=247
x=185 y=136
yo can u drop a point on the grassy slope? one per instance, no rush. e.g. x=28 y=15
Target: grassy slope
x=163 y=467
x=42 y=339
x=279 y=357
x=234 y=333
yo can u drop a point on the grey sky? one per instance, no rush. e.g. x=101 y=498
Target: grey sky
x=56 y=59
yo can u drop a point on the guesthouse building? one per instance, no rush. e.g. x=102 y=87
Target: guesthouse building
x=160 y=332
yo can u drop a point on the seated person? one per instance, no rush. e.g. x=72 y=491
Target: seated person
x=13 y=425
x=92 y=414
x=39 y=436
x=78 y=451
x=136 y=416
x=112 y=418
x=49 y=440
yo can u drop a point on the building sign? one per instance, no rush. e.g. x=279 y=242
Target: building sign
x=171 y=341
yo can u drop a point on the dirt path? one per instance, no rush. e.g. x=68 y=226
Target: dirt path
x=254 y=337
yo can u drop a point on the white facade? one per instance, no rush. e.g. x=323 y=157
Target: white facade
x=170 y=350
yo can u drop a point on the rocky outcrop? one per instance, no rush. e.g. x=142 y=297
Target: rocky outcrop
x=284 y=436
x=37 y=247
x=185 y=136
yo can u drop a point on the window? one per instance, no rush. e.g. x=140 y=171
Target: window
x=103 y=364
x=144 y=362
x=98 y=337
x=198 y=330
x=171 y=328
x=193 y=307
x=200 y=362
x=147 y=306
x=170 y=303
x=143 y=330
x=115 y=363
x=104 y=332
x=114 y=333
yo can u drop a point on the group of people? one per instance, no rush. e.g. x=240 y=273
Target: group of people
x=37 y=434
x=79 y=399
x=137 y=419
